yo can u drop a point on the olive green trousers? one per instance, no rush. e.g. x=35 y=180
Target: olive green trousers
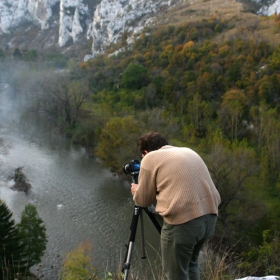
x=181 y=245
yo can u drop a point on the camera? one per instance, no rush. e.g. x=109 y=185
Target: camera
x=132 y=168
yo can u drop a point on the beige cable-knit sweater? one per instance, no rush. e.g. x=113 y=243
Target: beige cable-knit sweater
x=180 y=182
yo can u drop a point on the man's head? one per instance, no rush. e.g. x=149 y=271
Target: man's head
x=150 y=142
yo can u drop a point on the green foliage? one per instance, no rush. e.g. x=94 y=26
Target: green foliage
x=87 y=134
x=78 y=264
x=179 y=68
x=21 y=245
x=200 y=113
x=17 y=53
x=232 y=110
x=31 y=55
x=12 y=252
x=118 y=139
x=264 y=259
x=56 y=60
x=274 y=59
x=114 y=276
x=134 y=76
x=234 y=73
x=266 y=133
x=118 y=142
x=33 y=234
x=234 y=169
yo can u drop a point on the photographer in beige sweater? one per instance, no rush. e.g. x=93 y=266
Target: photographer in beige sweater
x=186 y=197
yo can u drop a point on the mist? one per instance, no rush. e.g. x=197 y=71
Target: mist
x=16 y=80
x=19 y=92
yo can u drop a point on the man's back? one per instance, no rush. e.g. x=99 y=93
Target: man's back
x=181 y=182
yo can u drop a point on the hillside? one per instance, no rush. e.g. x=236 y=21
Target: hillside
x=106 y=27
x=209 y=80
x=244 y=23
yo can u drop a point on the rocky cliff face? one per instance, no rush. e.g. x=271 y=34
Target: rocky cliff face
x=14 y=12
x=76 y=20
x=67 y=15
x=65 y=22
x=112 y=18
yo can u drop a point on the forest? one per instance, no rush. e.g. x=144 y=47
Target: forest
x=222 y=99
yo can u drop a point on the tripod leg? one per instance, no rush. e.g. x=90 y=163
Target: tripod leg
x=153 y=219
x=142 y=237
x=137 y=212
x=133 y=228
x=126 y=265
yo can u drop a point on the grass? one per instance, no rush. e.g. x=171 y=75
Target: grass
x=218 y=264
x=215 y=264
x=242 y=23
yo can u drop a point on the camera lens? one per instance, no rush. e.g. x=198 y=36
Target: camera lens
x=126 y=169
x=132 y=167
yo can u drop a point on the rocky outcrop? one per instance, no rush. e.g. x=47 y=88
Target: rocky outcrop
x=21 y=182
x=68 y=16
x=70 y=22
x=112 y=18
x=78 y=20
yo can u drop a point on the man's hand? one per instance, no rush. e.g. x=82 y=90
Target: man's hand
x=133 y=188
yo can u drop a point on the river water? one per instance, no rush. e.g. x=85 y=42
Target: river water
x=76 y=197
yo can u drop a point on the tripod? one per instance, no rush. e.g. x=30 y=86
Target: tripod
x=133 y=227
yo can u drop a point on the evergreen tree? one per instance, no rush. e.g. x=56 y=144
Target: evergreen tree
x=11 y=249
x=33 y=234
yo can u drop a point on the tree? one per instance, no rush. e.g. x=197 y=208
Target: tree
x=17 y=53
x=232 y=107
x=31 y=55
x=11 y=248
x=134 y=76
x=234 y=169
x=157 y=120
x=22 y=245
x=78 y=264
x=118 y=142
x=269 y=89
x=200 y=112
x=233 y=73
x=267 y=133
x=33 y=234
x=62 y=99
x=165 y=56
x=188 y=46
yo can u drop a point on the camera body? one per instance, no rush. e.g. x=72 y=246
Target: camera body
x=132 y=168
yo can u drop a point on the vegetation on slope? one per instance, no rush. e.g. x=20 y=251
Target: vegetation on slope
x=212 y=85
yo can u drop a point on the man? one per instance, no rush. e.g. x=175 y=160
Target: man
x=187 y=199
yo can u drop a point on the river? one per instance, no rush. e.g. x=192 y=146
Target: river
x=76 y=197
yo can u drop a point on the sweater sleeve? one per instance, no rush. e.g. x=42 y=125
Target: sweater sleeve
x=145 y=194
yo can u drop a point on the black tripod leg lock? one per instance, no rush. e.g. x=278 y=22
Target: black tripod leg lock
x=126 y=265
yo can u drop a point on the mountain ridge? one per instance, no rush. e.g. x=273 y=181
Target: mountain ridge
x=86 y=28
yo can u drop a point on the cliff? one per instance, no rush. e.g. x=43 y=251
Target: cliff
x=64 y=24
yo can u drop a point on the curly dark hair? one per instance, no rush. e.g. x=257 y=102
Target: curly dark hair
x=150 y=142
